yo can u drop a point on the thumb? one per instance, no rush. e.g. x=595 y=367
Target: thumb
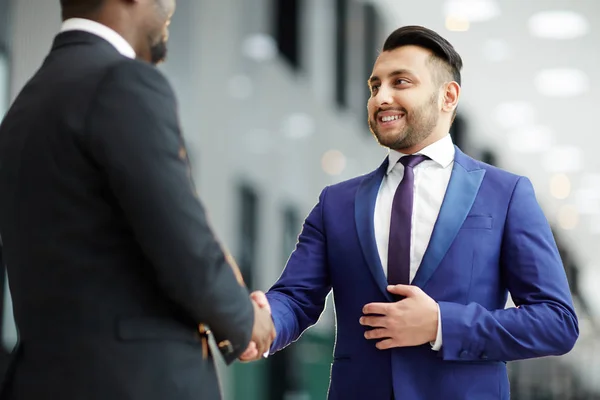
x=402 y=290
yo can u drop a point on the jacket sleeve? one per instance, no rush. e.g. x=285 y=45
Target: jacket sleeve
x=134 y=137
x=297 y=299
x=544 y=322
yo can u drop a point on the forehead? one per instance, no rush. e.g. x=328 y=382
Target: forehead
x=411 y=58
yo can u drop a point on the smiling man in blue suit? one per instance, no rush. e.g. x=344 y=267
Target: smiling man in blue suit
x=422 y=252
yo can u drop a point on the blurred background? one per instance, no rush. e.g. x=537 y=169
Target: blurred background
x=272 y=97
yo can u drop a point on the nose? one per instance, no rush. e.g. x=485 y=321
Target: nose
x=383 y=96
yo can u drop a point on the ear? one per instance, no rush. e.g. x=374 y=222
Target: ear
x=451 y=96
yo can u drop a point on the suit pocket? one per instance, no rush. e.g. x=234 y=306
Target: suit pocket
x=478 y=222
x=154 y=328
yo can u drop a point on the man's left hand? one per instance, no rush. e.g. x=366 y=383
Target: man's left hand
x=412 y=321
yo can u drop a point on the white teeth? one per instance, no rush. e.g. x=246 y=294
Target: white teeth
x=390 y=118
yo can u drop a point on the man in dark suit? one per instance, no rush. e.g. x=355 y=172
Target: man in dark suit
x=118 y=282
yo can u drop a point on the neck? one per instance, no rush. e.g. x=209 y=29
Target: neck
x=436 y=135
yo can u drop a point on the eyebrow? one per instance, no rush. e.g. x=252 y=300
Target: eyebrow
x=391 y=75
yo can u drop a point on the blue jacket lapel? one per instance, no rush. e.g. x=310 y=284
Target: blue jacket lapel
x=364 y=211
x=462 y=190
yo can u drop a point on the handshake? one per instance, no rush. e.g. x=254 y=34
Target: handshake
x=263 y=332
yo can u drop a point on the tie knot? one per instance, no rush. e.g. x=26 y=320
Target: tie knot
x=413 y=160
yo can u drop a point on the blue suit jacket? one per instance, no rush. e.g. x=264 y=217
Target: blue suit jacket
x=490 y=238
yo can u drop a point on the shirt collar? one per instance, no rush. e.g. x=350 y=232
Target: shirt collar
x=441 y=152
x=103 y=31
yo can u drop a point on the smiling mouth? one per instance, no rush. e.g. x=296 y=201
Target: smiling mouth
x=389 y=119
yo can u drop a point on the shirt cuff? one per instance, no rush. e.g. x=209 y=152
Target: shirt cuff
x=437 y=345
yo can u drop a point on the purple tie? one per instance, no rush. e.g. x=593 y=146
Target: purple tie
x=400 y=224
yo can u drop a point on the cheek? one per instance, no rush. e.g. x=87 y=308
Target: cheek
x=371 y=107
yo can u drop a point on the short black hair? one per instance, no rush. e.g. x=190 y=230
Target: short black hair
x=443 y=51
x=73 y=8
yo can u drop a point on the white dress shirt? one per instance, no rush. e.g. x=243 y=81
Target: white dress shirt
x=103 y=31
x=431 y=180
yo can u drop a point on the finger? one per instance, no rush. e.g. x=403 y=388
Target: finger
x=262 y=351
x=386 y=344
x=261 y=299
x=250 y=352
x=376 y=322
x=249 y=355
x=403 y=290
x=376 y=308
x=380 y=333
x=263 y=345
x=251 y=346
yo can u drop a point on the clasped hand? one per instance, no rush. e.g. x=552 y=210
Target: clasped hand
x=412 y=321
x=263 y=332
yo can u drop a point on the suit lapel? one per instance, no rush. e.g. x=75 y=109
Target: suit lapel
x=364 y=211
x=462 y=190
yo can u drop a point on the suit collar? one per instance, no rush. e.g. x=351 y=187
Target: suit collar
x=461 y=193
x=100 y=30
x=468 y=163
x=364 y=215
x=74 y=38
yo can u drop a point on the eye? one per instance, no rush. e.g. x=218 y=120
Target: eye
x=374 y=88
x=399 y=81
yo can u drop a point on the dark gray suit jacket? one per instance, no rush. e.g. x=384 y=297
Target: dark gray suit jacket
x=111 y=262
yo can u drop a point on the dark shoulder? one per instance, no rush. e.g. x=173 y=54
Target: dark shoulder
x=137 y=75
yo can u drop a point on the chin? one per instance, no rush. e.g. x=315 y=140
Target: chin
x=391 y=140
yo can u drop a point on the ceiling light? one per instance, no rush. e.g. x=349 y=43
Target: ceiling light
x=298 y=126
x=558 y=25
x=514 y=114
x=560 y=186
x=472 y=10
x=496 y=50
x=333 y=162
x=563 y=159
x=259 y=47
x=457 y=24
x=562 y=82
x=531 y=139
x=568 y=217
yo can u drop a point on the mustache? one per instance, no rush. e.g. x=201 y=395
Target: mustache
x=400 y=109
